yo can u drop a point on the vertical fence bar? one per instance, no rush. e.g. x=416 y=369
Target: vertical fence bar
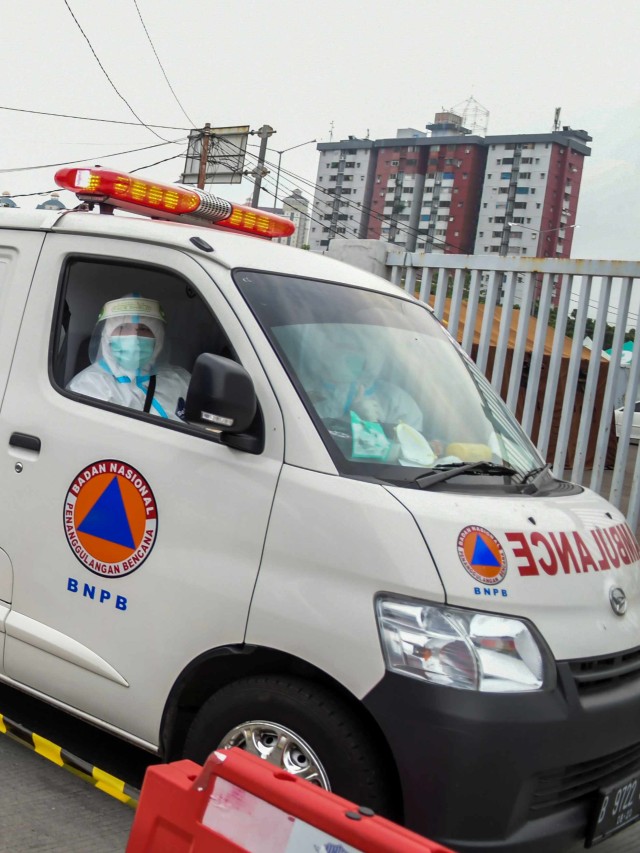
x=520 y=347
x=593 y=370
x=630 y=397
x=410 y=278
x=441 y=293
x=564 y=430
x=604 y=430
x=396 y=275
x=425 y=284
x=487 y=320
x=535 y=362
x=472 y=312
x=553 y=374
x=503 y=335
x=633 y=511
x=456 y=303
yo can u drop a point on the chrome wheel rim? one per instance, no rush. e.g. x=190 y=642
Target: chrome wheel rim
x=280 y=747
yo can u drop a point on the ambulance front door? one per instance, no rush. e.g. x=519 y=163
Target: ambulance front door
x=135 y=540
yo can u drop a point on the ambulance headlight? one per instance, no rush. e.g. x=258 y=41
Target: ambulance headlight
x=462 y=648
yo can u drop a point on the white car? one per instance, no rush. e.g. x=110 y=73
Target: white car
x=635 y=424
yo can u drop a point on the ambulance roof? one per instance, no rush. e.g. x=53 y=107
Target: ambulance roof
x=230 y=249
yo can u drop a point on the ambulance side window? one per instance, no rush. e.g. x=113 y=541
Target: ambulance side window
x=118 y=324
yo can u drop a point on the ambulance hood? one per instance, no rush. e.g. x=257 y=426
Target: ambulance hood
x=554 y=560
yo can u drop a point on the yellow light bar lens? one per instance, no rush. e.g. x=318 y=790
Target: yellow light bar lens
x=115 y=185
x=252 y=221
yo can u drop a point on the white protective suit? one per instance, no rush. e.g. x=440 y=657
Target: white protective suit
x=344 y=363
x=106 y=379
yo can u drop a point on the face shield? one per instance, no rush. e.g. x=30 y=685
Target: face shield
x=129 y=336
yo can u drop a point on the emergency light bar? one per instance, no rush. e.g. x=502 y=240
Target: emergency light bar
x=169 y=201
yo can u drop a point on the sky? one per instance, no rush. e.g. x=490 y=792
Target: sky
x=318 y=71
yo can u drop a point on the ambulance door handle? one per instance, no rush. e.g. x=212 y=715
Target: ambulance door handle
x=25 y=442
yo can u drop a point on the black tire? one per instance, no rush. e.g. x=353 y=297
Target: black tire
x=346 y=751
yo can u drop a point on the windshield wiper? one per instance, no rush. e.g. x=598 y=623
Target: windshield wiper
x=425 y=481
x=534 y=477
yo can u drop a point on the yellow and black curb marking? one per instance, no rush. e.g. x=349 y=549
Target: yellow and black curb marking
x=47 y=749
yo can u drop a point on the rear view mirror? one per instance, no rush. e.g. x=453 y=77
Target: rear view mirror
x=221 y=395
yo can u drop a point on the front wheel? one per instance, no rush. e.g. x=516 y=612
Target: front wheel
x=300 y=727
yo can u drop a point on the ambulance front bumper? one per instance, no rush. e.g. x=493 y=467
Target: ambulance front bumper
x=514 y=773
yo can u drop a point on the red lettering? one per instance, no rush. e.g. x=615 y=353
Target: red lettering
x=616 y=535
x=529 y=566
x=612 y=553
x=629 y=541
x=550 y=566
x=585 y=555
x=603 y=563
x=564 y=552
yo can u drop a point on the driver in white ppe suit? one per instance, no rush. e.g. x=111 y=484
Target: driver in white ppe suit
x=126 y=344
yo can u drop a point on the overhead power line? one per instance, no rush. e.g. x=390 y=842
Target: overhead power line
x=93 y=157
x=102 y=68
x=155 y=53
x=88 y=118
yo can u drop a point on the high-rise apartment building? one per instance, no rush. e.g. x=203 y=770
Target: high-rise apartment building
x=451 y=191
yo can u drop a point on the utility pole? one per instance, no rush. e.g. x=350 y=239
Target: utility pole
x=204 y=155
x=264 y=133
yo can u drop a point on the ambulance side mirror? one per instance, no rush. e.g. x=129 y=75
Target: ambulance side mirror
x=221 y=396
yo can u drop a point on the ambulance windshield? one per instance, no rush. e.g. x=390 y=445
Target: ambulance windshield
x=383 y=381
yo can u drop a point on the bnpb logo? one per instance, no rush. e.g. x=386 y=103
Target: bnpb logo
x=481 y=554
x=110 y=518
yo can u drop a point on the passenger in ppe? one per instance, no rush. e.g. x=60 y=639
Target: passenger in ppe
x=125 y=348
x=348 y=363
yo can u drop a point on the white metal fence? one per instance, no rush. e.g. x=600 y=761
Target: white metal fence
x=563 y=394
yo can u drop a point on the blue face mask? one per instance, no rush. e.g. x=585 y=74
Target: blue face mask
x=132 y=352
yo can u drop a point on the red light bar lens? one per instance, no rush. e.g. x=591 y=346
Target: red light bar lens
x=123 y=187
x=129 y=193
x=253 y=221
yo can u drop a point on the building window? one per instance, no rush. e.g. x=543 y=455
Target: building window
x=524 y=175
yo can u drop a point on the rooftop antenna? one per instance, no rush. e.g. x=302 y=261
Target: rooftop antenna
x=556 y=119
x=474 y=116
x=331 y=126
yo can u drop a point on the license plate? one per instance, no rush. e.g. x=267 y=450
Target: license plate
x=618 y=806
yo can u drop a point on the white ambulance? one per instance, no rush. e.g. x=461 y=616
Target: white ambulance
x=254 y=497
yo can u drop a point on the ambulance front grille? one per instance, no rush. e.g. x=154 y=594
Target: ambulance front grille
x=593 y=674
x=568 y=785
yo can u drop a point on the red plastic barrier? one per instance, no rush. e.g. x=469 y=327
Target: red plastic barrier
x=238 y=803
